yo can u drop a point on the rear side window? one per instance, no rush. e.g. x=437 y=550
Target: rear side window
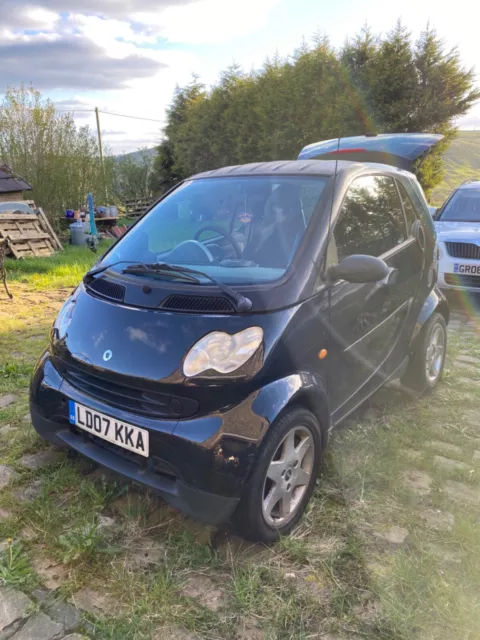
x=371 y=219
x=407 y=206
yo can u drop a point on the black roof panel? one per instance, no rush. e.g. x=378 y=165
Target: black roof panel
x=292 y=167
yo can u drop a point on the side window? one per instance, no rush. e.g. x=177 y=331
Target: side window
x=371 y=219
x=407 y=206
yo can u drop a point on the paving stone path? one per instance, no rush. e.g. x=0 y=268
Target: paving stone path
x=445 y=459
x=24 y=618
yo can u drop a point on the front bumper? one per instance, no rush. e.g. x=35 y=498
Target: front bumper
x=459 y=274
x=199 y=466
x=459 y=282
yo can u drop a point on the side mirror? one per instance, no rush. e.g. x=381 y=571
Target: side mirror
x=359 y=269
x=433 y=211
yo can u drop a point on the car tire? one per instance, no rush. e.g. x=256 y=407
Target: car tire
x=292 y=453
x=426 y=365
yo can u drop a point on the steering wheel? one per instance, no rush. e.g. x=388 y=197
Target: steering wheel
x=225 y=234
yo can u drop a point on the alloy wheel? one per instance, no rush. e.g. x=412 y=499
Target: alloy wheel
x=288 y=476
x=435 y=354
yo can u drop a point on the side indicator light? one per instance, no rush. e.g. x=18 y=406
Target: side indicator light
x=322 y=354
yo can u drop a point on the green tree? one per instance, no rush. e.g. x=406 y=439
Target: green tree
x=373 y=84
x=60 y=160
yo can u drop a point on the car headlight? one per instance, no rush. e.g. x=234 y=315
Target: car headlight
x=222 y=352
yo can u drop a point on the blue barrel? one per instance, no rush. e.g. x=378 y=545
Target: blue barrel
x=77 y=234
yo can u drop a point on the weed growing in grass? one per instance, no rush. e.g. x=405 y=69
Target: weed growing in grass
x=100 y=492
x=80 y=545
x=15 y=569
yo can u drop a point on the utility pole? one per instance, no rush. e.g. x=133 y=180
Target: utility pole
x=102 y=162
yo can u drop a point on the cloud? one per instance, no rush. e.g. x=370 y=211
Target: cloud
x=33 y=14
x=80 y=109
x=70 y=63
x=471 y=120
x=26 y=15
x=208 y=21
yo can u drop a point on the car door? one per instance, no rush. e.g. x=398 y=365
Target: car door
x=367 y=320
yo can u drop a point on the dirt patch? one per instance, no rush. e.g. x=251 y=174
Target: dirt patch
x=144 y=553
x=394 y=535
x=200 y=588
x=436 y=519
x=51 y=573
x=417 y=481
x=96 y=603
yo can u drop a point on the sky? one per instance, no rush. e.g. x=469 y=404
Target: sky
x=126 y=56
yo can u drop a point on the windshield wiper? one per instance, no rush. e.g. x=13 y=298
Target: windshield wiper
x=241 y=303
x=94 y=272
x=160 y=268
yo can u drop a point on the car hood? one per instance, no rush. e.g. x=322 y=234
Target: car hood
x=148 y=345
x=400 y=150
x=458 y=231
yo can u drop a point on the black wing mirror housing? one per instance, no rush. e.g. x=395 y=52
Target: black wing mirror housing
x=359 y=269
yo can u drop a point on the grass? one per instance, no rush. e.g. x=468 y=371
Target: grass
x=15 y=569
x=336 y=574
x=462 y=162
x=61 y=270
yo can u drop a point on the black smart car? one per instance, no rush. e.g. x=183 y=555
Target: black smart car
x=209 y=360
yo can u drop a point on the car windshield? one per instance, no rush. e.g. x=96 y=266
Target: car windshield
x=463 y=206
x=237 y=230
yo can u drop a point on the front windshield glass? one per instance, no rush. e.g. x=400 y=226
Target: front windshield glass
x=463 y=206
x=238 y=230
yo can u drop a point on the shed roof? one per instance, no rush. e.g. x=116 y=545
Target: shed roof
x=10 y=182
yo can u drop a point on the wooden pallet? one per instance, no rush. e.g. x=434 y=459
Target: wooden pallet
x=25 y=236
x=137 y=207
x=46 y=226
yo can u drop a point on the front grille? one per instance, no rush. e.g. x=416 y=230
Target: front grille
x=146 y=403
x=462 y=280
x=465 y=250
x=197 y=304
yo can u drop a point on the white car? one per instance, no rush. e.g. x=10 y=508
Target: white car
x=457 y=224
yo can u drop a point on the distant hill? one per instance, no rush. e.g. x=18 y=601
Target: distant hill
x=135 y=155
x=462 y=162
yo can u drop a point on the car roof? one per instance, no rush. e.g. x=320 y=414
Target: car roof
x=474 y=185
x=297 y=168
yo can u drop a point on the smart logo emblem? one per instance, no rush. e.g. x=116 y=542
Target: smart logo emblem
x=107 y=355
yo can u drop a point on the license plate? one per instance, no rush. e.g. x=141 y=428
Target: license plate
x=120 y=433
x=468 y=269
